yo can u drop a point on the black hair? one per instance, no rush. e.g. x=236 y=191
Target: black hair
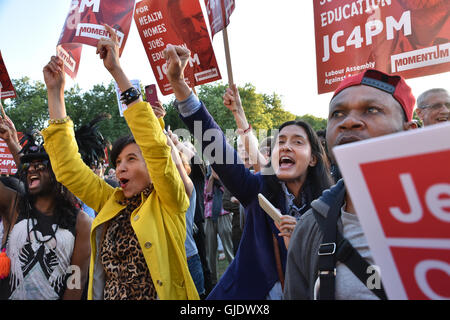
x=318 y=177
x=118 y=146
x=90 y=141
x=65 y=206
x=322 y=133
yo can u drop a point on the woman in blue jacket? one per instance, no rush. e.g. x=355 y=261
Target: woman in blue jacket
x=300 y=174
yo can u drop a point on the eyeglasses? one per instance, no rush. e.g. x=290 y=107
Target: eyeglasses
x=38 y=166
x=437 y=106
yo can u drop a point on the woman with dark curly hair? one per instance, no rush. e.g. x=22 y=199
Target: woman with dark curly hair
x=45 y=236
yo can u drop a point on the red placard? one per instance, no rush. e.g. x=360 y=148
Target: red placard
x=413 y=206
x=6 y=85
x=219 y=12
x=411 y=202
x=84 y=26
x=179 y=23
x=7 y=163
x=406 y=37
x=425 y=273
x=400 y=188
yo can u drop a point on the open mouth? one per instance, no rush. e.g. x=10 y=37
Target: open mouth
x=123 y=182
x=442 y=119
x=33 y=182
x=286 y=162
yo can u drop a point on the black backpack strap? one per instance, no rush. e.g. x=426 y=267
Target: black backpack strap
x=335 y=247
x=327 y=257
x=348 y=255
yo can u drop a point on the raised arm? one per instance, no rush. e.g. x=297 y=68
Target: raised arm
x=188 y=184
x=9 y=134
x=147 y=131
x=188 y=153
x=177 y=58
x=236 y=178
x=108 y=50
x=61 y=146
x=232 y=100
x=172 y=141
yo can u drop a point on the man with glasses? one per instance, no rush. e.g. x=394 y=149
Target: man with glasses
x=433 y=106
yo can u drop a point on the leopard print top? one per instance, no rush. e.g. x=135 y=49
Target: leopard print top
x=127 y=274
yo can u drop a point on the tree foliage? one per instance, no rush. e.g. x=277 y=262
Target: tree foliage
x=263 y=111
x=29 y=110
x=315 y=122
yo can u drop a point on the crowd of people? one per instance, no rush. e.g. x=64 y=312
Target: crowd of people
x=150 y=228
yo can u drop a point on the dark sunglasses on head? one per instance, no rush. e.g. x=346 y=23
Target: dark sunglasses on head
x=38 y=165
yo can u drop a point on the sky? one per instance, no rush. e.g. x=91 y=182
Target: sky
x=271 y=42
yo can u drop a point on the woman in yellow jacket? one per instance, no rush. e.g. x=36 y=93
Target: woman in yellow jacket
x=137 y=238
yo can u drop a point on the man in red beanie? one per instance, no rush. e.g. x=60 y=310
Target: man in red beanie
x=329 y=257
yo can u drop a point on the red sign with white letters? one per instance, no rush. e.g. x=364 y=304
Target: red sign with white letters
x=177 y=22
x=406 y=37
x=219 y=12
x=400 y=188
x=414 y=204
x=408 y=200
x=84 y=25
x=429 y=267
x=7 y=163
x=6 y=85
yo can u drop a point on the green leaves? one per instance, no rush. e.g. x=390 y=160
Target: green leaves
x=29 y=110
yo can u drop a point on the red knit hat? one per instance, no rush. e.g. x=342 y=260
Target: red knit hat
x=395 y=85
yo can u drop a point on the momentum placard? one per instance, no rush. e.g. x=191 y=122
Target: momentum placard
x=406 y=37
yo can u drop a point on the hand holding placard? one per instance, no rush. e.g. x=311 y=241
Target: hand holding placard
x=268 y=207
x=108 y=49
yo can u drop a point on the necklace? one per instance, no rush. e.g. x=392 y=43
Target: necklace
x=34 y=228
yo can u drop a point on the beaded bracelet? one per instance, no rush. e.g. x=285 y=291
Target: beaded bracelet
x=59 y=121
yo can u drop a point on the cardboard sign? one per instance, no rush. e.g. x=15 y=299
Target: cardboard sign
x=179 y=23
x=6 y=85
x=219 y=12
x=400 y=188
x=123 y=106
x=84 y=25
x=406 y=37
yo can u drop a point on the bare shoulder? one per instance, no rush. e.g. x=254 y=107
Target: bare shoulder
x=8 y=197
x=84 y=222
